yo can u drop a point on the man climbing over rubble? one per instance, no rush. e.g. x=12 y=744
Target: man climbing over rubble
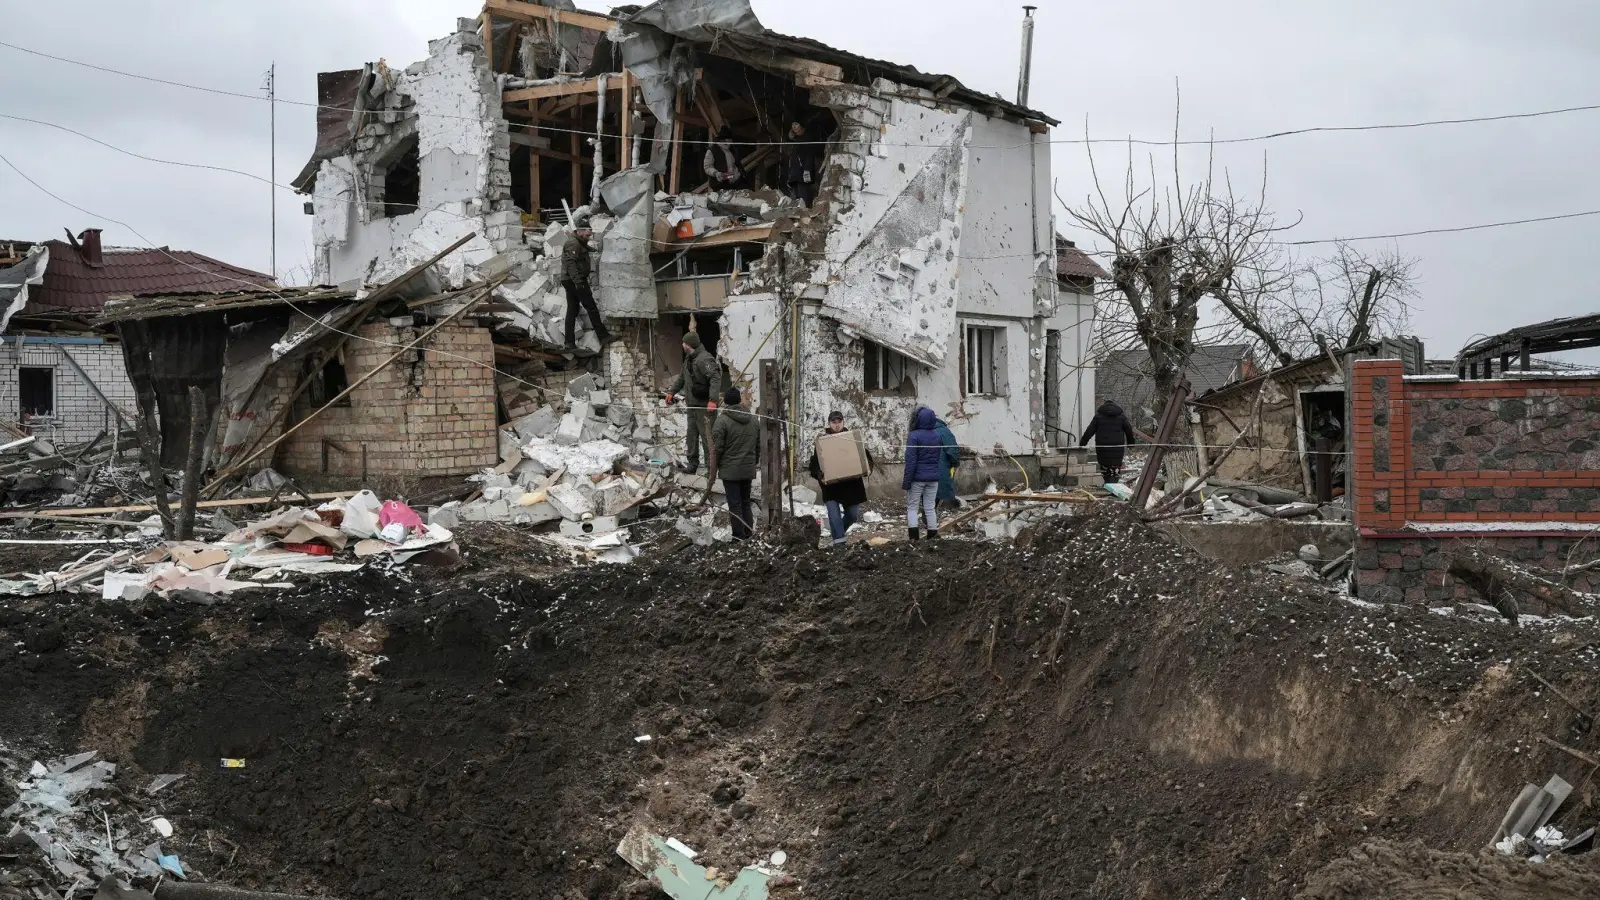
x=721 y=165
x=575 y=278
x=842 y=498
x=701 y=378
x=737 y=440
x=800 y=164
x=1112 y=433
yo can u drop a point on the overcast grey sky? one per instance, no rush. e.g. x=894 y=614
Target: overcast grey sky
x=1246 y=67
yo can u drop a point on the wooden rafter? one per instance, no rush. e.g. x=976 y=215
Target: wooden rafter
x=568 y=89
x=527 y=12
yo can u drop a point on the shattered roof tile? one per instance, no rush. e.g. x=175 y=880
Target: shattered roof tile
x=72 y=285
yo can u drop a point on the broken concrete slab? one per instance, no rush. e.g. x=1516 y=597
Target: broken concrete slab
x=581 y=387
x=570 y=501
x=570 y=432
x=541 y=423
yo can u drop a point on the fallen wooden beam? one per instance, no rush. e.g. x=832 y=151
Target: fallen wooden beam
x=965 y=517
x=1043 y=498
x=527 y=12
x=565 y=89
x=1570 y=751
x=45 y=514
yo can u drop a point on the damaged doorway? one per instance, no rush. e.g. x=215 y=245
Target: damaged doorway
x=1322 y=441
x=670 y=330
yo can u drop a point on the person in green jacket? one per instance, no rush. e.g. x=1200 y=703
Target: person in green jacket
x=949 y=461
x=701 y=378
x=737 y=440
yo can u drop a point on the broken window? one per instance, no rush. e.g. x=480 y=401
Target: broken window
x=330 y=383
x=885 y=370
x=402 y=183
x=36 y=388
x=986 y=352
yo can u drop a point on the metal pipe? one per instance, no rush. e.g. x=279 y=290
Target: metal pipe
x=1027 y=55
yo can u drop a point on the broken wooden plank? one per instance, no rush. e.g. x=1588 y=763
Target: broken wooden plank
x=966 y=516
x=1044 y=498
x=1559 y=693
x=527 y=12
x=1570 y=751
x=64 y=511
x=565 y=89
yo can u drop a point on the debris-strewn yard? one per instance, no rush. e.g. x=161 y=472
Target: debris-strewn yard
x=1094 y=712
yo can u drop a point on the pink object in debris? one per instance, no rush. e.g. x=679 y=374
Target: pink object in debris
x=393 y=511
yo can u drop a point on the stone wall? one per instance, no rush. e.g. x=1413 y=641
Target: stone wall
x=1510 y=464
x=431 y=412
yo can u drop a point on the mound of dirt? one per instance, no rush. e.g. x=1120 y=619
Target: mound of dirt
x=1384 y=871
x=1093 y=713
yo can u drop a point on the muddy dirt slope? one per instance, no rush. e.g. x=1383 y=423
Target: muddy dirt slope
x=1094 y=713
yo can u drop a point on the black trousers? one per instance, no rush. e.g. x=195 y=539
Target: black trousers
x=739 y=507
x=804 y=191
x=580 y=295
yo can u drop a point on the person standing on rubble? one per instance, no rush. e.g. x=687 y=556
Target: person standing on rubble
x=702 y=379
x=1112 y=433
x=842 y=498
x=721 y=164
x=800 y=157
x=924 y=459
x=736 y=438
x=575 y=279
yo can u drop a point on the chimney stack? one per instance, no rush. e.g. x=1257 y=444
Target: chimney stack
x=1027 y=55
x=89 y=247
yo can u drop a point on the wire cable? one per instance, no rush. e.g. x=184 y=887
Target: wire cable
x=1275 y=135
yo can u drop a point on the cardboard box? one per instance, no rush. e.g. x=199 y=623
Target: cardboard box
x=842 y=456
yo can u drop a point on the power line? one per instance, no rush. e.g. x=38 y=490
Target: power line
x=1317 y=129
x=316 y=321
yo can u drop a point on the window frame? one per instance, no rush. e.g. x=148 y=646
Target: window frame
x=977 y=378
x=50 y=374
x=878 y=362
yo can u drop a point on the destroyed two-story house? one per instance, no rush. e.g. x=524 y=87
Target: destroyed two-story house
x=925 y=270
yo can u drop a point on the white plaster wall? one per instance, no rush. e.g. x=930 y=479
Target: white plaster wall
x=461 y=136
x=747 y=321
x=999 y=236
x=1075 y=319
x=892 y=256
x=79 y=413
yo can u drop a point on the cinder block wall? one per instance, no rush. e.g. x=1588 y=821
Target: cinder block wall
x=431 y=412
x=79 y=413
x=1472 y=455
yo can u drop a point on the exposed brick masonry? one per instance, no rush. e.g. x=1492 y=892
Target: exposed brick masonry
x=1448 y=451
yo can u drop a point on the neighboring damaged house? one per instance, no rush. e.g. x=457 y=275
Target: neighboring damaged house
x=57 y=377
x=1293 y=420
x=925 y=270
x=1126 y=376
x=1507 y=462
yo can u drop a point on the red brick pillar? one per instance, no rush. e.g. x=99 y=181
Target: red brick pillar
x=1380 y=443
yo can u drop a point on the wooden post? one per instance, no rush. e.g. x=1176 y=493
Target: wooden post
x=625 y=112
x=1158 y=450
x=486 y=25
x=200 y=418
x=771 y=441
x=675 y=178
x=577 y=170
x=535 y=194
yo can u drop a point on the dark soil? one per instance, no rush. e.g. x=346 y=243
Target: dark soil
x=1094 y=713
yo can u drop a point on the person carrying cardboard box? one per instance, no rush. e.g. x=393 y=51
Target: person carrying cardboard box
x=842 y=496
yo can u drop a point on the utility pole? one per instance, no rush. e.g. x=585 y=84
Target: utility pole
x=272 y=186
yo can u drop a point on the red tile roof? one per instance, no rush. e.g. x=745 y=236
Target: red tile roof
x=72 y=285
x=1074 y=263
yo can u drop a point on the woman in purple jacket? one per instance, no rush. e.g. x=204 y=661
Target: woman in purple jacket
x=924 y=449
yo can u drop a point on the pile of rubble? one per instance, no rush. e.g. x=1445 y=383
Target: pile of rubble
x=341 y=535
x=35 y=470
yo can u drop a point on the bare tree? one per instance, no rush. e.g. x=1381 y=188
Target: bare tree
x=1346 y=300
x=1178 y=254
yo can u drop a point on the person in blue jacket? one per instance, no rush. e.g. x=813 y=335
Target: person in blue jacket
x=949 y=461
x=924 y=459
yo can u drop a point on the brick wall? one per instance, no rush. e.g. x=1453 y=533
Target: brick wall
x=431 y=412
x=1495 y=460
x=79 y=413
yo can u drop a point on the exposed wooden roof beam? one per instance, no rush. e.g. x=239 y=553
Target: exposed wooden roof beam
x=527 y=12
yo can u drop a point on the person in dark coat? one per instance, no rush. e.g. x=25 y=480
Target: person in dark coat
x=800 y=155
x=698 y=385
x=575 y=279
x=1112 y=433
x=924 y=458
x=950 y=460
x=842 y=498
x=737 y=440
